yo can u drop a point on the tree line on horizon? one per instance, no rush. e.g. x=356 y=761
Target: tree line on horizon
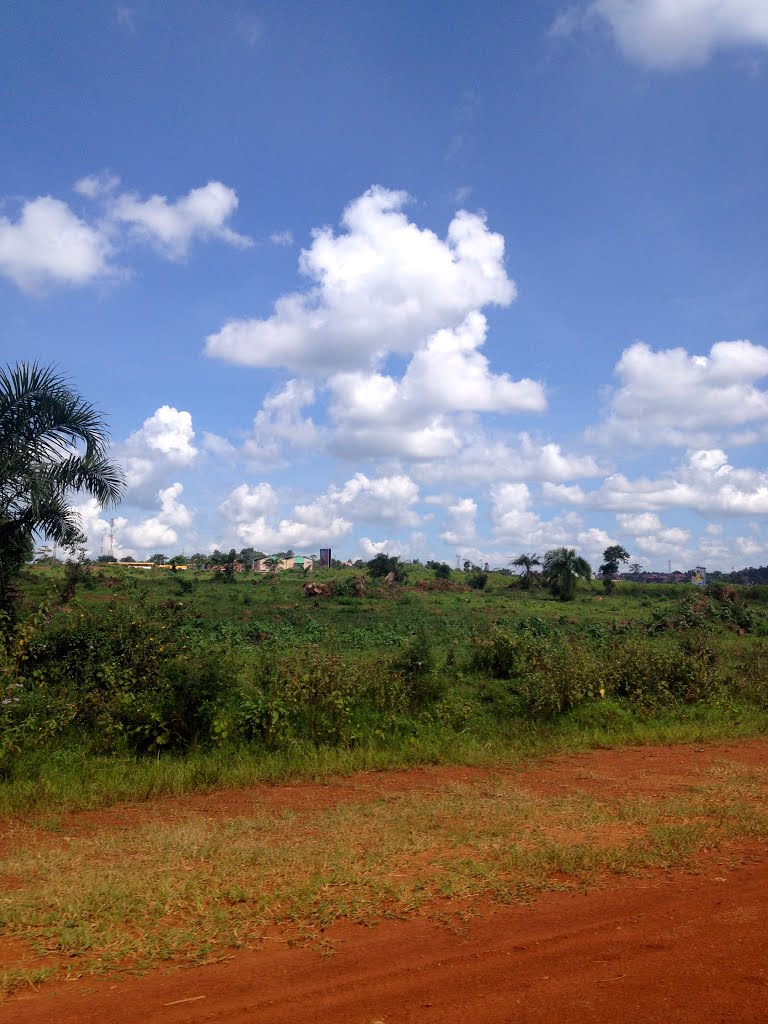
x=53 y=443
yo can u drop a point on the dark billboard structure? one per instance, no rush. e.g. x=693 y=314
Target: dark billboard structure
x=325 y=558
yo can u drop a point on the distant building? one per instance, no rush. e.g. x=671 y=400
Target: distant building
x=274 y=564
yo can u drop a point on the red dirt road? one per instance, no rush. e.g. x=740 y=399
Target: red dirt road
x=678 y=947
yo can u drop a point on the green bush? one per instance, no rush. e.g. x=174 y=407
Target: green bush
x=569 y=675
x=348 y=586
x=314 y=696
x=415 y=665
x=686 y=669
x=382 y=565
x=552 y=674
x=136 y=666
x=750 y=675
x=132 y=682
x=505 y=655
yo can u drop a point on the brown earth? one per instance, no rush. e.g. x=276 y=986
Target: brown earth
x=673 y=947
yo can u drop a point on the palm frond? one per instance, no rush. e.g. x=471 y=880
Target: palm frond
x=52 y=444
x=42 y=416
x=94 y=474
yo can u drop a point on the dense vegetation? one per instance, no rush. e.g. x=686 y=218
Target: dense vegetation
x=119 y=663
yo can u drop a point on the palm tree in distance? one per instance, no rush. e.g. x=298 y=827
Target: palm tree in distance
x=52 y=444
x=526 y=563
x=562 y=568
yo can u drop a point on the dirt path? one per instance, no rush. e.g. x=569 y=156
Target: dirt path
x=673 y=947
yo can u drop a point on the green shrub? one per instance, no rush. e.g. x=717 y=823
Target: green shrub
x=718 y=603
x=750 y=676
x=134 y=683
x=348 y=586
x=553 y=674
x=687 y=670
x=569 y=675
x=505 y=655
x=382 y=565
x=415 y=665
x=76 y=574
x=315 y=696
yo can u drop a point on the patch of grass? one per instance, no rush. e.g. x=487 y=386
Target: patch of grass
x=45 y=782
x=16 y=978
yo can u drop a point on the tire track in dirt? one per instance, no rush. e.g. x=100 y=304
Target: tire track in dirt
x=677 y=948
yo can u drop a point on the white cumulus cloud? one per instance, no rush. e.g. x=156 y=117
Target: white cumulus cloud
x=50 y=245
x=95 y=526
x=511 y=512
x=651 y=537
x=394 y=548
x=386 y=499
x=381 y=285
x=448 y=375
x=253 y=509
x=159 y=531
x=519 y=527
x=672 y=397
x=437 y=439
x=164 y=440
x=672 y=34
x=280 y=424
x=171 y=509
x=461 y=527
x=169 y=432
x=171 y=226
x=591 y=543
x=483 y=460
x=640 y=522
x=151 y=533
x=291 y=534
x=750 y=546
x=704 y=482
x=244 y=502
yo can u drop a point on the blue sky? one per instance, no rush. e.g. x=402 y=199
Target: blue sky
x=445 y=280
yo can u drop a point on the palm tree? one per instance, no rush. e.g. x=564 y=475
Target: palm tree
x=562 y=568
x=526 y=563
x=52 y=444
